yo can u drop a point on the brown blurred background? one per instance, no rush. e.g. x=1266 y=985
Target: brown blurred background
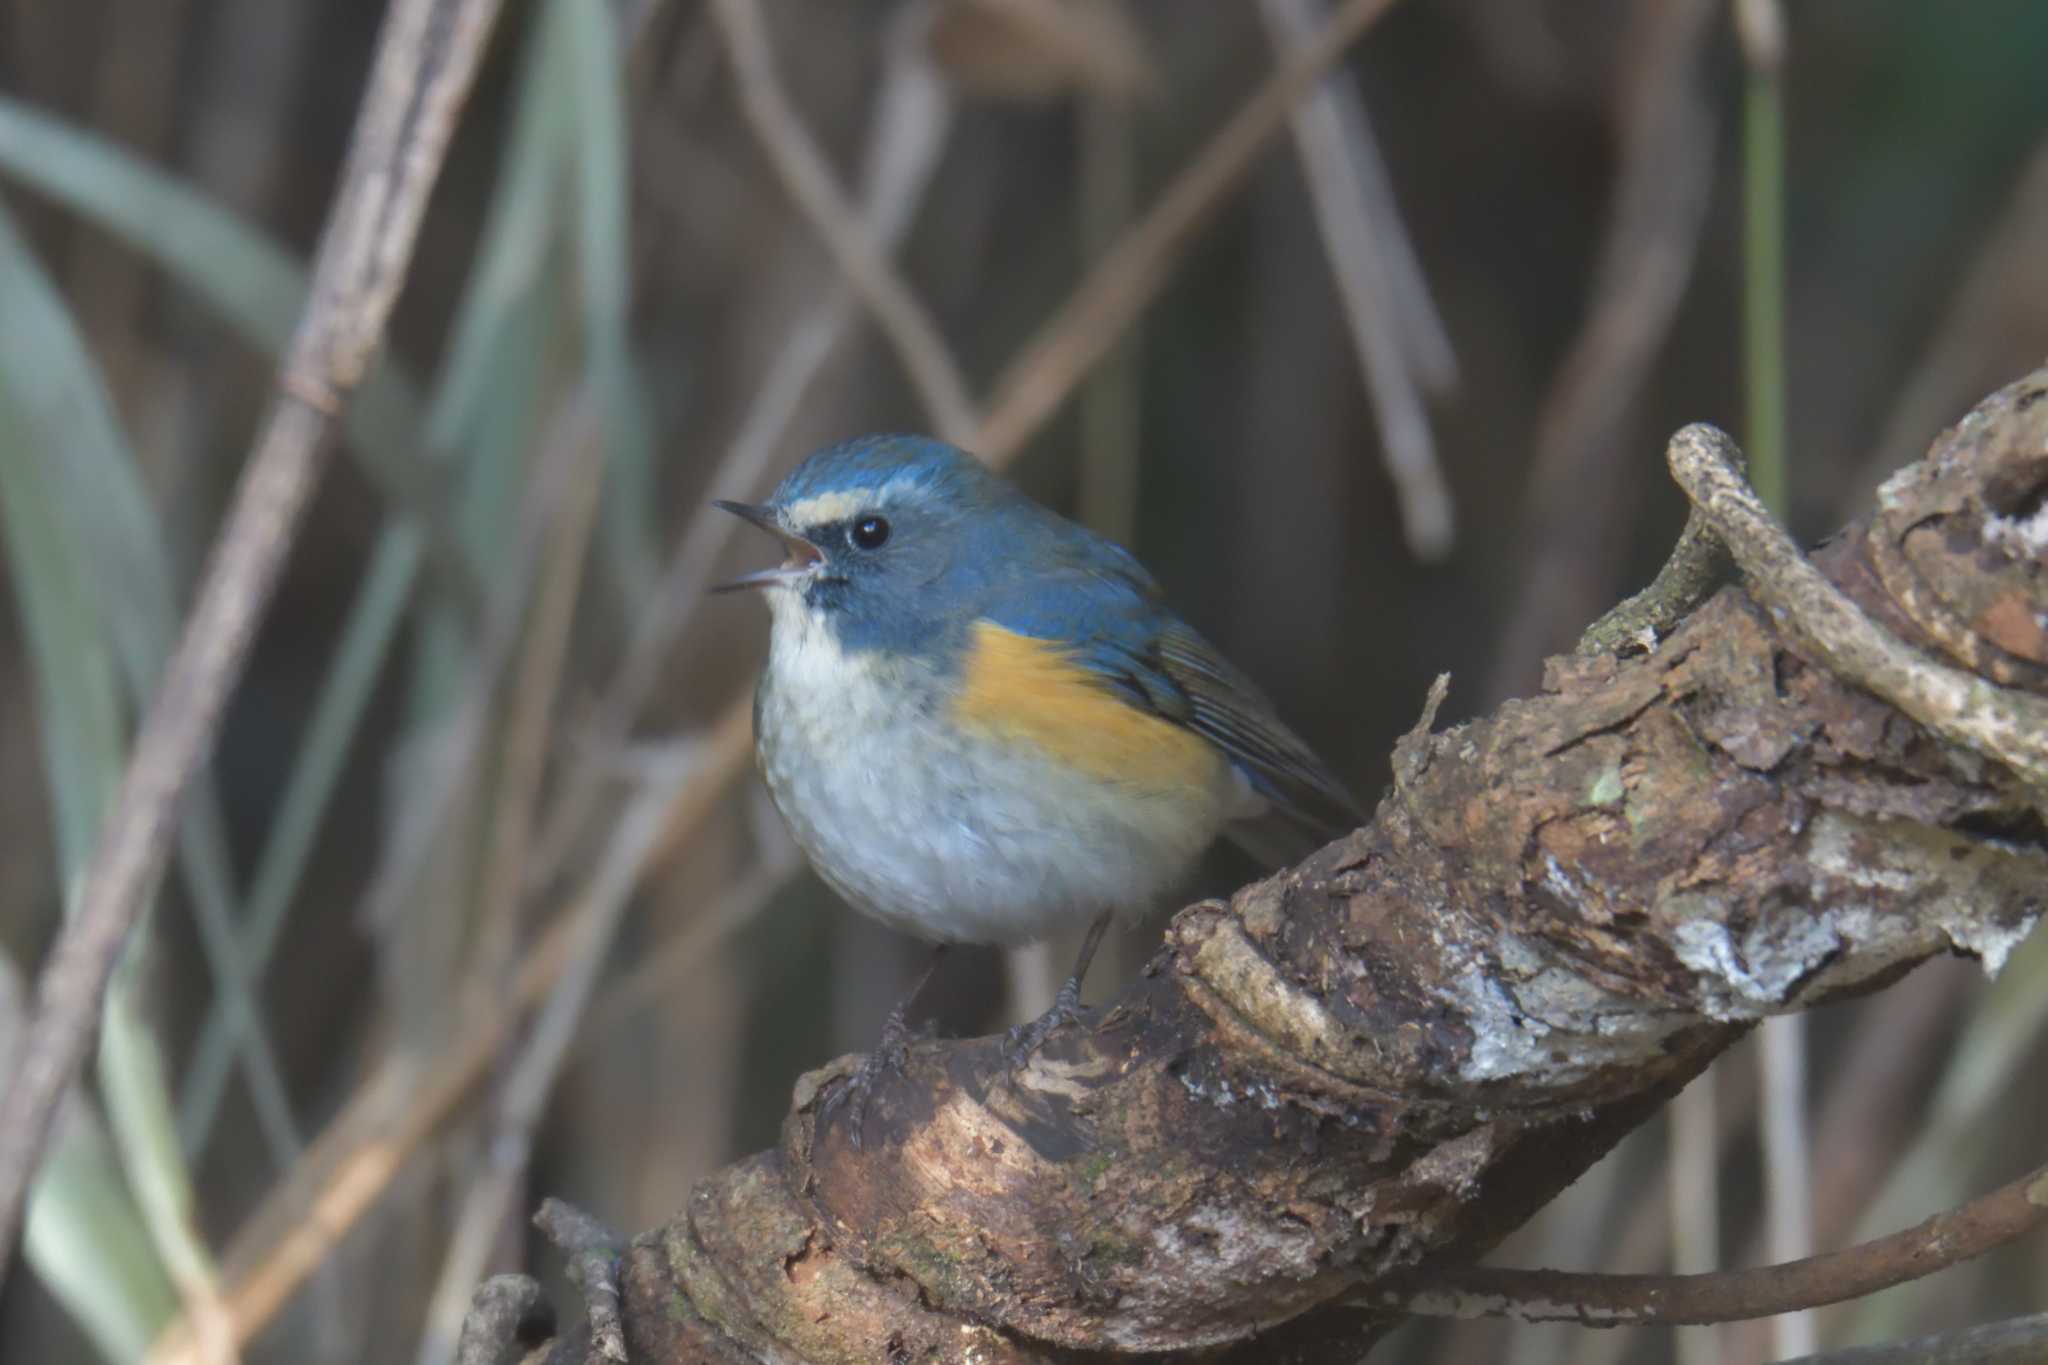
x=1540 y=204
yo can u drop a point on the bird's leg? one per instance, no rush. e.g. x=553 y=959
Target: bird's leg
x=891 y=1051
x=1026 y=1038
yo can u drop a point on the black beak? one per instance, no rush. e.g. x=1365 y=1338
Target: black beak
x=803 y=556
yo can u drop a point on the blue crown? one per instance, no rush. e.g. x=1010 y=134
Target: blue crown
x=870 y=461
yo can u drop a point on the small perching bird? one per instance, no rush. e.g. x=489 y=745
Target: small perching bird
x=984 y=725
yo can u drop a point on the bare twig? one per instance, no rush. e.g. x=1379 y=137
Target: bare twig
x=1128 y=276
x=2003 y=724
x=809 y=179
x=1730 y=1295
x=1788 y=1167
x=426 y=59
x=1666 y=125
x=593 y=1251
x=521 y=763
x=1760 y=25
x=536 y=682
x=657 y=975
x=1996 y=320
x=506 y=1310
x=429 y=803
x=531 y=1078
x=1095 y=44
x=1872 y=1090
x=1694 y=1199
x=1366 y=250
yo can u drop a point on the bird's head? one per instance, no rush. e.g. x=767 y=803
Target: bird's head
x=889 y=539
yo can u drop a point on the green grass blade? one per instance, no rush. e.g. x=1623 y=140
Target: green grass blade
x=345 y=691
x=1763 y=288
x=255 y=285
x=597 y=91
x=78 y=707
x=79 y=719
x=117 y=548
x=88 y=1245
x=120 y=554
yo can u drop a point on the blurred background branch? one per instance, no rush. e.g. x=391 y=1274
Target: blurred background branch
x=644 y=263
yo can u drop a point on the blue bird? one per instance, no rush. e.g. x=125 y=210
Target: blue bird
x=983 y=724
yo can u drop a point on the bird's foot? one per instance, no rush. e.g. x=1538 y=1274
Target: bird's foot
x=1025 y=1039
x=892 y=1050
x=891 y=1053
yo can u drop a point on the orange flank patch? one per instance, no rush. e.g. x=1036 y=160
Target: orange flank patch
x=1027 y=690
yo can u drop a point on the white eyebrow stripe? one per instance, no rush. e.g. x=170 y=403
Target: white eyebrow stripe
x=823 y=507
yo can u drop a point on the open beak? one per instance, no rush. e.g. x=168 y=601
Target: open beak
x=803 y=560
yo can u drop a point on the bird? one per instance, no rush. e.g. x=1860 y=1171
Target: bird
x=982 y=723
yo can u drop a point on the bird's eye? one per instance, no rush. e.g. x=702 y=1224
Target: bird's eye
x=871 y=533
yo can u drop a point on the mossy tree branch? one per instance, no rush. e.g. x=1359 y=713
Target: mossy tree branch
x=1384 y=1059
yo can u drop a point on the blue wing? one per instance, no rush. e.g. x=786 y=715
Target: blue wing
x=1109 y=611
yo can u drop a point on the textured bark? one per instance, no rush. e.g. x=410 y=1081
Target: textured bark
x=1390 y=1055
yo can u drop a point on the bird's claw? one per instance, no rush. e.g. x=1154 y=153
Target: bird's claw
x=891 y=1053
x=1025 y=1039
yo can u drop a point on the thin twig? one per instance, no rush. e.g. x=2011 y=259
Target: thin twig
x=522 y=1098
x=1365 y=251
x=1788 y=1167
x=425 y=61
x=1595 y=1300
x=1995 y=321
x=507 y=1310
x=809 y=180
x=2003 y=724
x=1129 y=275
x=537 y=678
x=1873 y=1097
x=1095 y=43
x=1695 y=1200
x=1665 y=122
x=429 y=803
x=656 y=976
x=530 y=707
x=593 y=1251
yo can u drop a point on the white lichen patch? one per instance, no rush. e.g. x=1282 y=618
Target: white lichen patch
x=1756 y=975
x=2023 y=537
x=1849 y=853
x=1534 y=1018
x=1992 y=943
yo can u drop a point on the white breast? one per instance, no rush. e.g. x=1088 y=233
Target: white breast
x=942 y=835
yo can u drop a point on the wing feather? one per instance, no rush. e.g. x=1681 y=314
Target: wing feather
x=1111 y=616
x=1231 y=711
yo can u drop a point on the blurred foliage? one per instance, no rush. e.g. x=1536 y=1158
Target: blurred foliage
x=610 y=240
